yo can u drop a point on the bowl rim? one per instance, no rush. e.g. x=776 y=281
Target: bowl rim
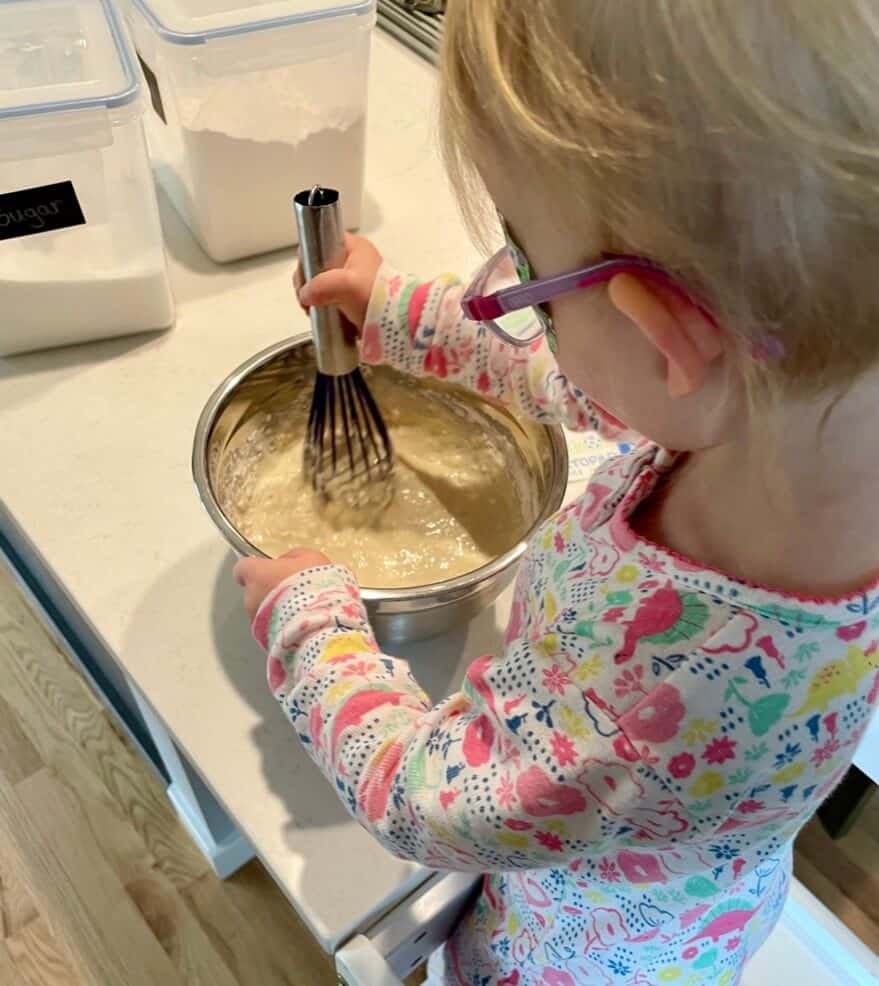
x=447 y=588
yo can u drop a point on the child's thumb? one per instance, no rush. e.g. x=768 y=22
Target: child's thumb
x=332 y=287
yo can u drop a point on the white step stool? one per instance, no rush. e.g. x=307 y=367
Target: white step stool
x=810 y=946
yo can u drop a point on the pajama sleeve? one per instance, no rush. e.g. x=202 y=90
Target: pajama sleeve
x=508 y=773
x=420 y=328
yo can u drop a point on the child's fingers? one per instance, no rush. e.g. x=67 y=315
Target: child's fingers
x=298 y=282
x=255 y=575
x=245 y=569
x=253 y=597
x=348 y=287
x=302 y=558
x=332 y=287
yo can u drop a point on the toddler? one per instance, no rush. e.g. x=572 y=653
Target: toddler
x=690 y=195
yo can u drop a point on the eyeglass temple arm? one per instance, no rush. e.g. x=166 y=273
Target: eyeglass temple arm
x=520 y=296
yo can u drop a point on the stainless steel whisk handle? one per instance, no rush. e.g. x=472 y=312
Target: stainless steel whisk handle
x=322 y=247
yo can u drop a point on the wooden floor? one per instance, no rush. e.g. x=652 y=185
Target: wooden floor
x=99 y=883
x=101 y=886
x=844 y=874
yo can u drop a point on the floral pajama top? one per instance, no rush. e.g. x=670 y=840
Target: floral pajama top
x=630 y=770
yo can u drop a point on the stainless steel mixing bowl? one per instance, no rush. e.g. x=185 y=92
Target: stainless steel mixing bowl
x=396 y=614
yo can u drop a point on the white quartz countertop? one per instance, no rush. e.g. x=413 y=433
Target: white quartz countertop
x=95 y=448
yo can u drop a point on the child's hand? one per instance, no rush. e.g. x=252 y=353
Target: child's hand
x=259 y=576
x=349 y=287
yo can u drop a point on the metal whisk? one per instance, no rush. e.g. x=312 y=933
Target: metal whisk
x=348 y=456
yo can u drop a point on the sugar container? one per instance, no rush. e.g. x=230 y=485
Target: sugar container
x=81 y=253
x=253 y=100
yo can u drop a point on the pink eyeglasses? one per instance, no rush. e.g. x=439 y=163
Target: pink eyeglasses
x=505 y=297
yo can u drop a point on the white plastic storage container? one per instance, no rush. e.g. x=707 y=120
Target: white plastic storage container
x=254 y=100
x=81 y=253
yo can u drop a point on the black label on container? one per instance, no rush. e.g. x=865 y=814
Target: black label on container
x=39 y=210
x=153 y=86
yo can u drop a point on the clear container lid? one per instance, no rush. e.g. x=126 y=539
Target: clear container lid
x=197 y=21
x=58 y=55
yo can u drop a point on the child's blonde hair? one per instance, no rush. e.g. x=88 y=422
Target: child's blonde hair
x=736 y=142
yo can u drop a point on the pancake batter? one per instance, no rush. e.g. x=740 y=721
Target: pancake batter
x=458 y=499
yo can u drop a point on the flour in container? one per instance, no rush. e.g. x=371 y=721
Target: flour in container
x=252 y=141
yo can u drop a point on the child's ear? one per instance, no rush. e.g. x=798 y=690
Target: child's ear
x=674 y=326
